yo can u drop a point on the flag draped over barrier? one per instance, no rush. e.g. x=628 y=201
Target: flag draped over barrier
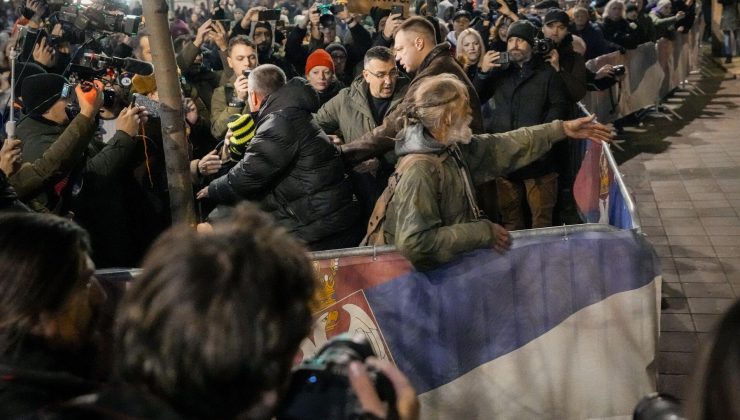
x=552 y=329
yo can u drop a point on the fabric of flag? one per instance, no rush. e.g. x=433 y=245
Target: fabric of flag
x=561 y=326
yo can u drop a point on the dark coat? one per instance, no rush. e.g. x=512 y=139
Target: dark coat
x=572 y=70
x=525 y=96
x=296 y=53
x=596 y=44
x=292 y=169
x=8 y=198
x=619 y=32
x=380 y=140
x=35 y=377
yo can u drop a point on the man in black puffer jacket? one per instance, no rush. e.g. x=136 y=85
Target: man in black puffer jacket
x=290 y=166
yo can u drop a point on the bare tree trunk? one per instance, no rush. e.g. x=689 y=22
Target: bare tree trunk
x=173 y=122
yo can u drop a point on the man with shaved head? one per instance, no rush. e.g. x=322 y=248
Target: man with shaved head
x=417 y=52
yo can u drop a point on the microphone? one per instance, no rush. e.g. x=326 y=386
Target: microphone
x=128 y=64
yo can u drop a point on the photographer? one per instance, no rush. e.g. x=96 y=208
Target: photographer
x=232 y=97
x=527 y=92
x=192 y=345
x=190 y=56
x=323 y=33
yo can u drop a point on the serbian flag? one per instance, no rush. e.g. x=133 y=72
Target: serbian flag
x=564 y=325
x=597 y=194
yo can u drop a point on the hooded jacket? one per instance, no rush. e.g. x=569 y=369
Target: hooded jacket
x=430 y=226
x=291 y=169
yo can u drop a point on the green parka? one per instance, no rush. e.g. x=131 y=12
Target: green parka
x=349 y=112
x=432 y=224
x=223 y=107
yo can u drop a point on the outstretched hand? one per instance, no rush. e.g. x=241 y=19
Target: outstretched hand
x=585 y=128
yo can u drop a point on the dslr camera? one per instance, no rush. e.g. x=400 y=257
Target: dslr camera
x=543 y=46
x=619 y=70
x=320 y=388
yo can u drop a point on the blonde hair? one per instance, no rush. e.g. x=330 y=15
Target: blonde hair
x=612 y=3
x=460 y=55
x=433 y=99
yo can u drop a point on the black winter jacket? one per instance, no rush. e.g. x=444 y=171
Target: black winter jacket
x=292 y=169
x=521 y=97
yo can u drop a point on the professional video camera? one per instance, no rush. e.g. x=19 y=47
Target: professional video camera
x=100 y=16
x=108 y=70
x=320 y=389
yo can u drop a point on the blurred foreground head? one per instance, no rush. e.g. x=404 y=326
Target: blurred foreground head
x=215 y=320
x=47 y=289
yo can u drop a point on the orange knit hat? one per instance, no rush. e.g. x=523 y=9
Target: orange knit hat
x=319 y=58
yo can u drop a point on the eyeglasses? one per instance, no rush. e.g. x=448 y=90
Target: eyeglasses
x=391 y=74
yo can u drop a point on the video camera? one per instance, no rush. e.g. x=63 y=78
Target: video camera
x=99 y=16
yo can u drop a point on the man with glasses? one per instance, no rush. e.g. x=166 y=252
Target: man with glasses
x=360 y=108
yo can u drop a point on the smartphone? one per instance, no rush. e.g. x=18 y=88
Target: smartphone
x=268 y=15
x=151 y=106
x=503 y=58
x=397 y=9
x=225 y=22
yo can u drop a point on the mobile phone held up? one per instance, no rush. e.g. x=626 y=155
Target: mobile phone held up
x=268 y=15
x=151 y=106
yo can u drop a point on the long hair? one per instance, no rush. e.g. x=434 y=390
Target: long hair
x=433 y=99
x=40 y=262
x=461 y=57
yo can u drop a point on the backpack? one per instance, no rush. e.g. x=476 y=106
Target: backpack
x=375 y=235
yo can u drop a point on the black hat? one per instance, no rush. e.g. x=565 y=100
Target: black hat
x=22 y=72
x=547 y=4
x=598 y=4
x=41 y=91
x=261 y=24
x=557 y=15
x=461 y=13
x=523 y=29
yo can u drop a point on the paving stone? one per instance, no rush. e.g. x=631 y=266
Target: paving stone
x=684 y=342
x=727 y=251
x=708 y=290
x=694 y=251
x=703 y=322
x=673 y=362
x=720 y=221
x=676 y=306
x=676 y=322
x=684 y=204
x=709 y=305
x=675 y=385
x=672 y=213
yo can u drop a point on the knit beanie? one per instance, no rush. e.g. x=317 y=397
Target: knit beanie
x=41 y=91
x=319 y=58
x=23 y=72
x=522 y=29
x=242 y=131
x=334 y=46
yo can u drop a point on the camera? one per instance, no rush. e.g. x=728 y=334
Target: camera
x=100 y=15
x=327 y=12
x=320 y=389
x=543 y=46
x=618 y=70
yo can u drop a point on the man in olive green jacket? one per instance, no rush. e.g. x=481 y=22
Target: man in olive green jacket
x=360 y=108
x=433 y=215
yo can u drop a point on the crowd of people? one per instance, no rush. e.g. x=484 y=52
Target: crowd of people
x=298 y=107
x=436 y=129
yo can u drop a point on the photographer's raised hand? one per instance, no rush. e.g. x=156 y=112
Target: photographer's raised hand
x=130 y=119
x=202 y=34
x=407 y=405
x=43 y=53
x=10 y=156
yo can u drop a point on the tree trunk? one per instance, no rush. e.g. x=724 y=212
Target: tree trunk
x=173 y=122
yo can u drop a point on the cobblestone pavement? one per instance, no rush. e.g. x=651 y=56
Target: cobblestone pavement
x=685 y=176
